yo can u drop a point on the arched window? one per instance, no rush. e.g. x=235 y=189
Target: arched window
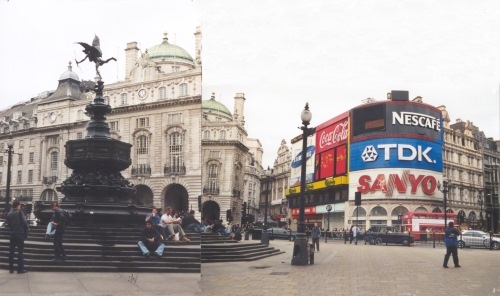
x=222 y=135
x=79 y=115
x=183 y=90
x=437 y=210
x=420 y=209
x=360 y=212
x=399 y=210
x=175 y=150
x=49 y=195
x=163 y=93
x=378 y=211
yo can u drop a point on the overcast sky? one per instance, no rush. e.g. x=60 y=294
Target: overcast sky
x=281 y=54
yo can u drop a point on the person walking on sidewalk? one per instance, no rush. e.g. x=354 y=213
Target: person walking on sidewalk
x=451 y=241
x=355 y=233
x=18 y=230
x=316 y=234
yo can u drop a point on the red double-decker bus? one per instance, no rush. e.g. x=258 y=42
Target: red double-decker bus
x=418 y=223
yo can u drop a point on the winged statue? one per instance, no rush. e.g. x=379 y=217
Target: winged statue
x=94 y=54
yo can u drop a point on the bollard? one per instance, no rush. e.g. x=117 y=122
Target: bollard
x=311 y=254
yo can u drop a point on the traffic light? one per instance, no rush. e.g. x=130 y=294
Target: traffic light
x=357 y=198
x=244 y=213
x=229 y=216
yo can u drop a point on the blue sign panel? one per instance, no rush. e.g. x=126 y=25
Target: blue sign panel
x=396 y=153
x=297 y=161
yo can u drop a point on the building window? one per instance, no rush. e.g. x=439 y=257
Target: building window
x=79 y=115
x=142 y=122
x=32 y=142
x=222 y=135
x=206 y=135
x=113 y=125
x=30 y=176
x=213 y=178
x=175 y=118
x=214 y=154
x=31 y=158
x=163 y=93
x=183 y=90
x=142 y=145
x=1 y=161
x=53 y=140
x=175 y=68
x=20 y=158
x=124 y=99
x=54 y=158
x=1 y=177
x=21 y=143
x=19 y=177
x=2 y=147
x=175 y=149
x=79 y=135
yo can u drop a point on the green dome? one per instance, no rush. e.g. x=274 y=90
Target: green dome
x=167 y=51
x=213 y=105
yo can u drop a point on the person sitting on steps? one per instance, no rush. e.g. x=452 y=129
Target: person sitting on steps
x=150 y=241
x=172 y=225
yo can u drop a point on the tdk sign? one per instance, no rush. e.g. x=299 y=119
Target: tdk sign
x=416 y=119
x=396 y=153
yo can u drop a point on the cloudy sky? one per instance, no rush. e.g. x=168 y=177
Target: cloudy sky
x=281 y=54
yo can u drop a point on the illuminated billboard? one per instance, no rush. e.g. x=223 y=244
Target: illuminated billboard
x=296 y=166
x=397 y=118
x=395 y=183
x=331 y=147
x=396 y=153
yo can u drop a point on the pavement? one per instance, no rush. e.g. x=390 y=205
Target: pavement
x=339 y=269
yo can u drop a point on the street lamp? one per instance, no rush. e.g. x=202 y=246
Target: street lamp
x=265 y=236
x=300 y=243
x=444 y=189
x=480 y=201
x=10 y=144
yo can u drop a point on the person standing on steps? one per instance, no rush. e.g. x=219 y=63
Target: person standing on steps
x=316 y=234
x=59 y=222
x=18 y=230
x=451 y=241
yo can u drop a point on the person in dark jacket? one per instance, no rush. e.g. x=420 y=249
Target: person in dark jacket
x=150 y=241
x=18 y=230
x=189 y=222
x=451 y=240
x=218 y=228
x=316 y=234
x=59 y=222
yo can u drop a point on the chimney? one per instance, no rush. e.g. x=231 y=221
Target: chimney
x=239 y=106
x=131 y=53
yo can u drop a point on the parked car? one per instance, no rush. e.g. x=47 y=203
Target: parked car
x=275 y=232
x=477 y=239
x=377 y=235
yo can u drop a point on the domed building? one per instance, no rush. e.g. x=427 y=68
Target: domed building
x=156 y=109
x=232 y=162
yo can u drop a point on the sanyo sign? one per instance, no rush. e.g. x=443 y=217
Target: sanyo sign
x=396 y=153
x=416 y=119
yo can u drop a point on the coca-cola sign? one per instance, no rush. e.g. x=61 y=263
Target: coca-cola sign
x=332 y=136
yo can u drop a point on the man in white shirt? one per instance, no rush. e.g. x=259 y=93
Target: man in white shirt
x=355 y=232
x=173 y=225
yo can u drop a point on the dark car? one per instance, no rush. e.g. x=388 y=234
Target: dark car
x=275 y=232
x=378 y=235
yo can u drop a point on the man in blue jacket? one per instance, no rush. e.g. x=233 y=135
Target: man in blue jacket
x=451 y=241
x=316 y=234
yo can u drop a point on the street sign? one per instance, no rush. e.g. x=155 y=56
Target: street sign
x=329 y=208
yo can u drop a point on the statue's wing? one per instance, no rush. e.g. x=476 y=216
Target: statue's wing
x=90 y=50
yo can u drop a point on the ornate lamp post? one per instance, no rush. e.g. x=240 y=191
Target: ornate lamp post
x=480 y=201
x=300 y=243
x=10 y=144
x=265 y=236
x=444 y=189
